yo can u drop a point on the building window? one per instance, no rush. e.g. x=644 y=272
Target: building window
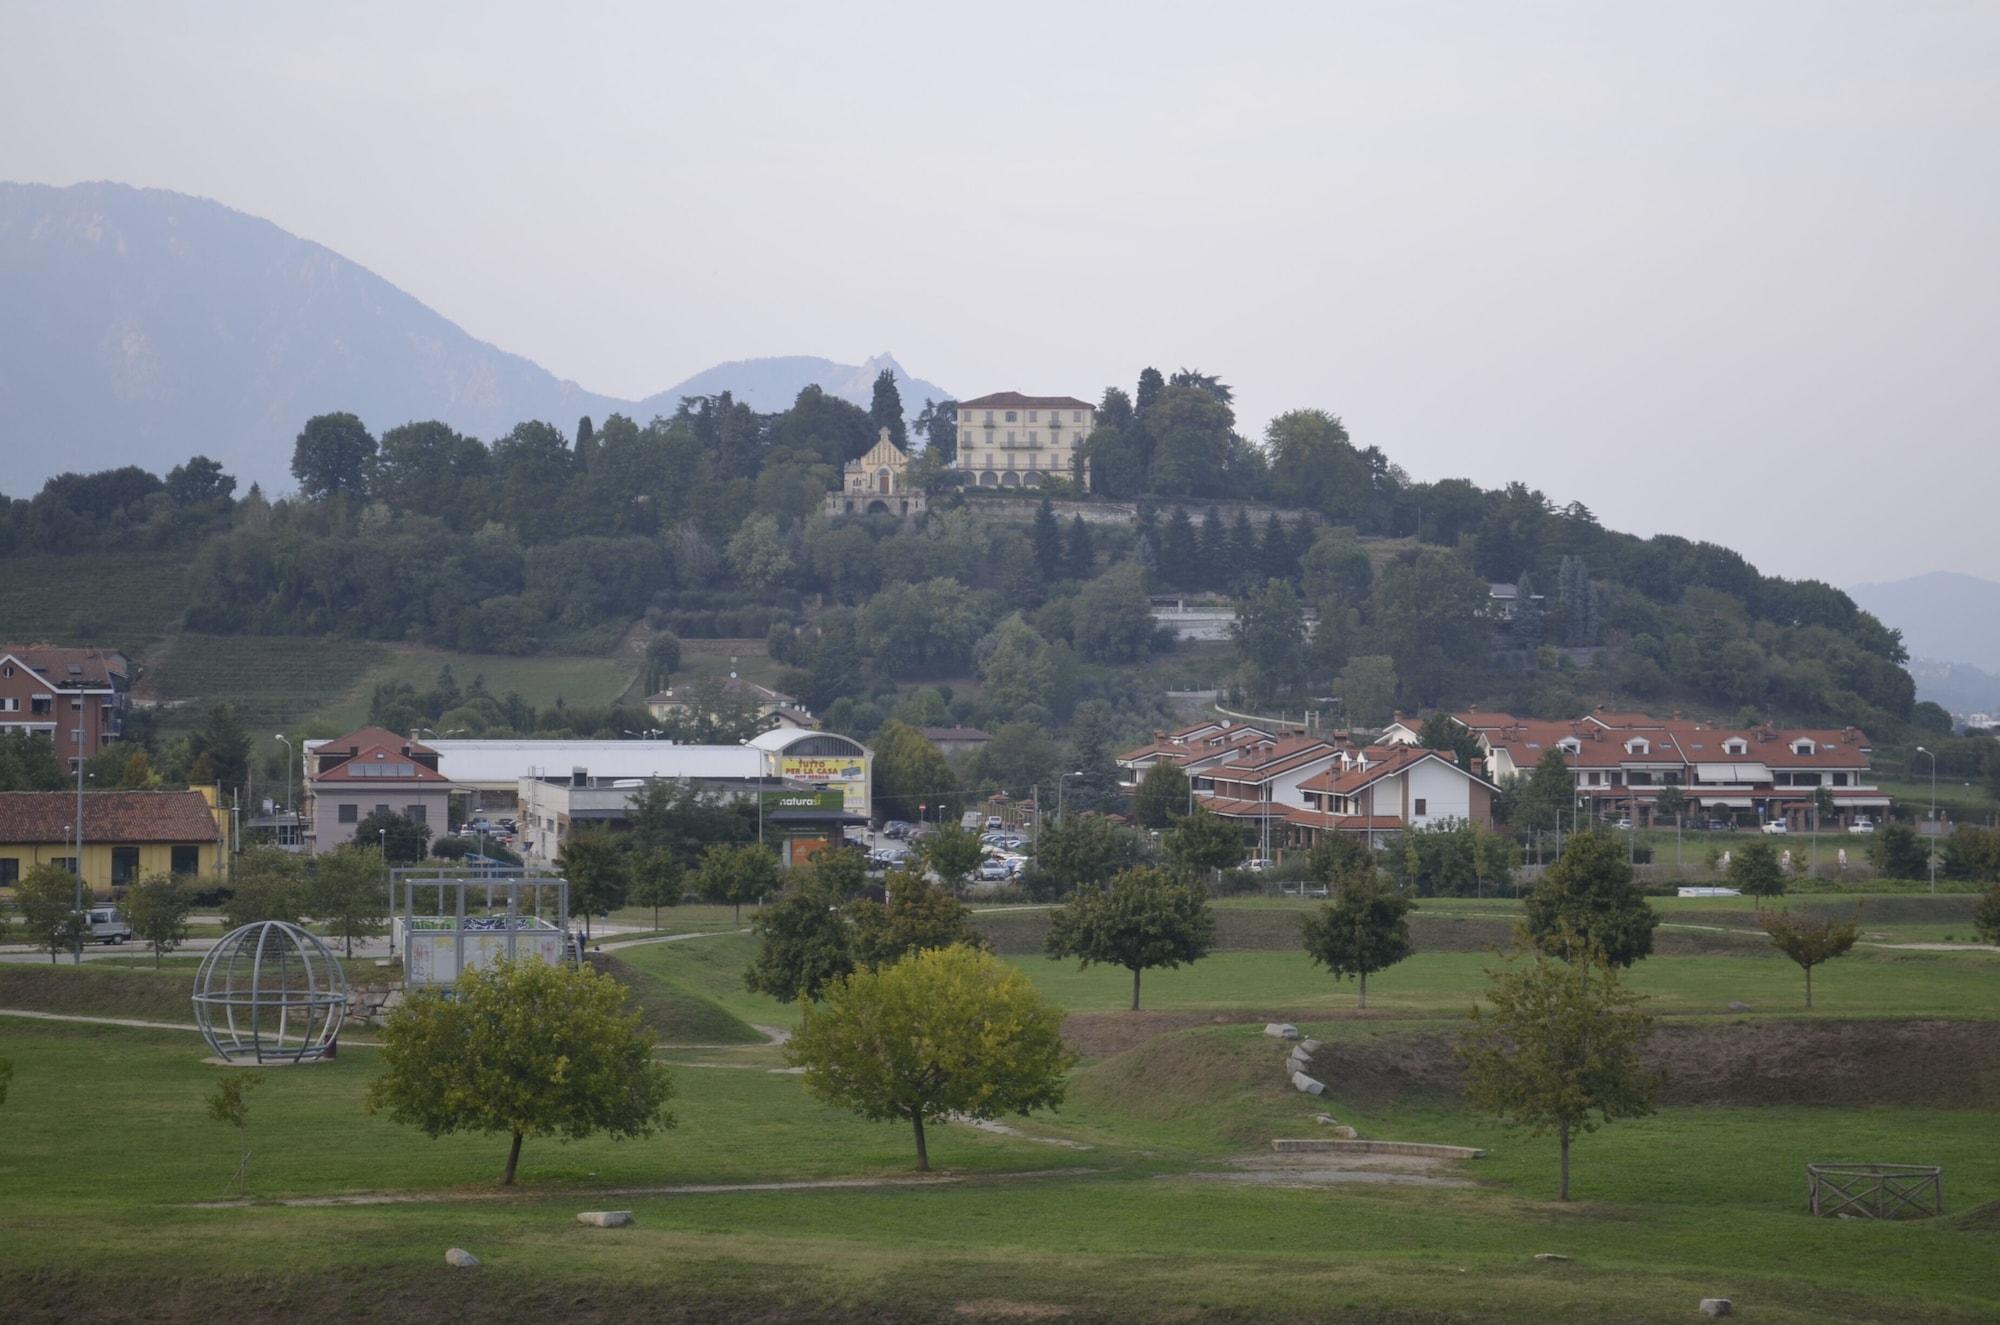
x=186 y=860
x=1076 y=416
x=1421 y=802
x=416 y=814
x=350 y=813
x=381 y=809
x=1010 y=439
x=41 y=704
x=1012 y=416
x=10 y=871
x=124 y=865
x=1031 y=416
x=11 y=704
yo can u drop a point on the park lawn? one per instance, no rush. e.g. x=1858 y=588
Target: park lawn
x=1870 y=983
x=711 y=969
x=108 y=1149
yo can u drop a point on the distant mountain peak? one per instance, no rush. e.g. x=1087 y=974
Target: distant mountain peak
x=145 y=326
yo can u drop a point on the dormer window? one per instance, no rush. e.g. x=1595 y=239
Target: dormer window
x=1736 y=745
x=1802 y=746
x=1571 y=745
x=1638 y=745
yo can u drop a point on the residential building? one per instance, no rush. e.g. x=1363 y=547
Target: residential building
x=1009 y=440
x=366 y=772
x=1620 y=762
x=877 y=483
x=76 y=697
x=1195 y=748
x=127 y=835
x=1385 y=789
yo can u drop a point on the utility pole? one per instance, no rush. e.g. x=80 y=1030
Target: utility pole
x=1930 y=845
x=288 y=779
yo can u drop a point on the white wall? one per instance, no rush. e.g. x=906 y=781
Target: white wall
x=1446 y=793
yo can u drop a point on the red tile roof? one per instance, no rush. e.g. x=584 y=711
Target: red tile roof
x=1015 y=400
x=95 y=668
x=395 y=767
x=362 y=737
x=1399 y=758
x=108 y=816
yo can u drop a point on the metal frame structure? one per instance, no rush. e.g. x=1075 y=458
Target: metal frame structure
x=270 y=992
x=447 y=888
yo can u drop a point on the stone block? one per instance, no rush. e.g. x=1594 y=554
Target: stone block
x=1717 y=1306
x=1550 y=1256
x=461 y=1258
x=1307 y=1085
x=1281 y=1030
x=605 y=1218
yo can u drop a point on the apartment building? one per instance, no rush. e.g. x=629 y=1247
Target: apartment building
x=366 y=771
x=1009 y=440
x=75 y=697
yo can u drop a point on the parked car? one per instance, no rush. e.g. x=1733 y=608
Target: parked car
x=1777 y=828
x=993 y=824
x=897 y=829
x=994 y=871
x=1624 y=825
x=1862 y=826
x=107 y=926
x=1257 y=866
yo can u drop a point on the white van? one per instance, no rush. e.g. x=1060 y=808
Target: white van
x=107 y=926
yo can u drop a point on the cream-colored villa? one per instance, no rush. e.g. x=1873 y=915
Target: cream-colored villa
x=1008 y=440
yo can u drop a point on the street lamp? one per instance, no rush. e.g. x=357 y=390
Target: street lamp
x=1931 y=847
x=1062 y=785
x=77 y=924
x=289 y=753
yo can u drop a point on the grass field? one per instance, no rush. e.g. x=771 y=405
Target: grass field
x=541 y=679
x=277 y=683
x=108 y=1159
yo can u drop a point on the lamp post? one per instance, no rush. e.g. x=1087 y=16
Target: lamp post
x=77 y=923
x=1062 y=786
x=280 y=736
x=1931 y=845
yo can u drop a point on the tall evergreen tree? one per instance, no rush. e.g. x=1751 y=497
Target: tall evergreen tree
x=1151 y=383
x=1180 y=553
x=886 y=409
x=1215 y=551
x=1046 y=536
x=1080 y=558
x=1277 y=555
x=1243 y=552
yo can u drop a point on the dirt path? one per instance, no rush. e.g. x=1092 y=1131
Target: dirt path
x=664 y=938
x=101 y=1021
x=678 y=1189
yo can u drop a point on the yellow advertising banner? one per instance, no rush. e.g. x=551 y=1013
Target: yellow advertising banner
x=848 y=775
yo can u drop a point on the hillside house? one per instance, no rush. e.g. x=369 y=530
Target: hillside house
x=1009 y=440
x=75 y=697
x=365 y=772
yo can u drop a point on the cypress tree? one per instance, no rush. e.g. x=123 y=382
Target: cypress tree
x=1048 y=544
x=1180 y=555
x=1081 y=556
x=1212 y=570
x=886 y=409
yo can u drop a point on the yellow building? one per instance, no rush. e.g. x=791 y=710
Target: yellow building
x=877 y=483
x=127 y=835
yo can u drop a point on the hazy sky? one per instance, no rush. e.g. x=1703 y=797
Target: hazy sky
x=1725 y=270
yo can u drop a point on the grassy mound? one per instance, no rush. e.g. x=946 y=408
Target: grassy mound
x=98 y=990
x=675 y=1013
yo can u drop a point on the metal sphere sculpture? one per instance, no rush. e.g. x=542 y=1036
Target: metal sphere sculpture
x=269 y=992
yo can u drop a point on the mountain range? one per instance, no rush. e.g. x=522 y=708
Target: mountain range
x=1951 y=625
x=144 y=326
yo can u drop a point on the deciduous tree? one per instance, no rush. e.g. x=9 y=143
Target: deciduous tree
x=46 y=898
x=332 y=457
x=1201 y=843
x=948 y=1032
x=157 y=909
x=1557 y=1049
x=1363 y=930
x=1754 y=869
x=656 y=881
x=1141 y=920
x=596 y=870
x=737 y=874
x=803 y=944
x=914 y=915
x=953 y=853
x=1986 y=918
x=524 y=1049
x=1587 y=897
x=265 y=883
x=229 y=1104
x=1810 y=940
x=348 y=893
x=1162 y=795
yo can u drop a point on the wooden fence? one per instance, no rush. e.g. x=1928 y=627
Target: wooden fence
x=1875 y=1191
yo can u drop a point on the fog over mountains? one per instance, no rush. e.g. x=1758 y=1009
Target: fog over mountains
x=143 y=326
x=1951 y=625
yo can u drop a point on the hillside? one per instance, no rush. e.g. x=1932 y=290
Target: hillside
x=145 y=326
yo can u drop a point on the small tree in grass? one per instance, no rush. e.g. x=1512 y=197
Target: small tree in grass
x=949 y=1032
x=1558 y=1049
x=656 y=881
x=1986 y=918
x=349 y=892
x=1810 y=940
x=524 y=1049
x=1142 y=920
x=1365 y=929
x=157 y=909
x=46 y=899
x=1587 y=897
x=595 y=869
x=915 y=915
x=954 y=853
x=803 y=944
x=229 y=1103
x=265 y=883
x=1754 y=869
x=737 y=874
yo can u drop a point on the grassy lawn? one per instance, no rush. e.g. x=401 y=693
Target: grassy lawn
x=108 y=1151
x=540 y=679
